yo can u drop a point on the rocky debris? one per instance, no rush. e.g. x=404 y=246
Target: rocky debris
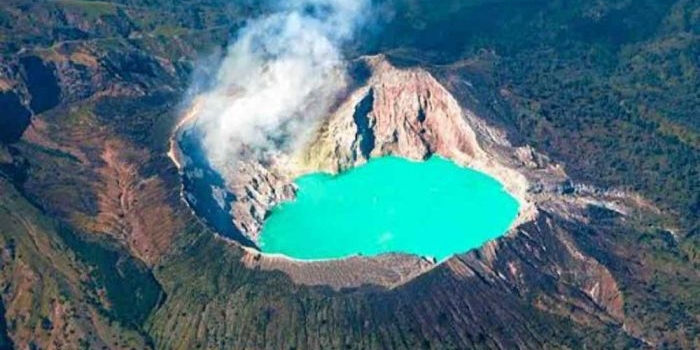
x=257 y=189
x=530 y=158
x=387 y=270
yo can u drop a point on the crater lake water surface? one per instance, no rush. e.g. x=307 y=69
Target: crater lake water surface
x=433 y=208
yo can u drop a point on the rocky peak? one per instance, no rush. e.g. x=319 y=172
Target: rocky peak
x=402 y=112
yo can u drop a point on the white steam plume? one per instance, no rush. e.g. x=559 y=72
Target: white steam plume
x=278 y=79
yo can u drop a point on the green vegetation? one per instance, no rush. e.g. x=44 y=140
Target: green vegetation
x=92 y=10
x=131 y=289
x=610 y=89
x=41 y=273
x=24 y=24
x=5 y=341
x=168 y=31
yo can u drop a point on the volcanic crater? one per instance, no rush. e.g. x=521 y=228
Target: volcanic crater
x=403 y=112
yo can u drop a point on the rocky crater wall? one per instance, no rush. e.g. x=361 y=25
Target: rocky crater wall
x=408 y=113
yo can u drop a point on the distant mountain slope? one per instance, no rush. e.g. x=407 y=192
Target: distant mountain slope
x=616 y=80
x=98 y=250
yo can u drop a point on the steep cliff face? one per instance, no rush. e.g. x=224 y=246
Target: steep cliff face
x=257 y=189
x=405 y=113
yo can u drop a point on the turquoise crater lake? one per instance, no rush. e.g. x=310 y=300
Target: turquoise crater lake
x=433 y=208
